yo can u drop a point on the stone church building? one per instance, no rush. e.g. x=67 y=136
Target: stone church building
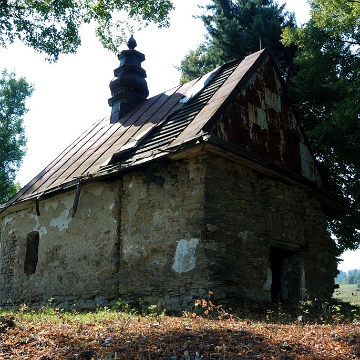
x=209 y=186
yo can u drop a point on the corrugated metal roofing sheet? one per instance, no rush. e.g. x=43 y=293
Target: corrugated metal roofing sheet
x=163 y=134
x=171 y=123
x=158 y=126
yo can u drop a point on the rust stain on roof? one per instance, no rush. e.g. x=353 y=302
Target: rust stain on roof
x=244 y=103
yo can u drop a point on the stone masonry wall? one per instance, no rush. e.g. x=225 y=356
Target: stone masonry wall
x=77 y=257
x=170 y=235
x=161 y=258
x=211 y=227
x=246 y=212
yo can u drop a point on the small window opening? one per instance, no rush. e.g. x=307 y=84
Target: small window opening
x=31 y=256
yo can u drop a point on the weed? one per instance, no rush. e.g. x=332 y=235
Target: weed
x=206 y=307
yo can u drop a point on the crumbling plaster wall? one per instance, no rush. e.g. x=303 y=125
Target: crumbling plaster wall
x=77 y=256
x=161 y=246
x=207 y=227
x=210 y=227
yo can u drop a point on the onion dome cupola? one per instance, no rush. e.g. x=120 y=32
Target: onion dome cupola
x=128 y=87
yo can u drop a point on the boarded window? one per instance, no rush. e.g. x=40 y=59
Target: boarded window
x=31 y=256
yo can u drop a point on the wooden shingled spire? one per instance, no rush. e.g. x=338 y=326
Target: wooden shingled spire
x=128 y=87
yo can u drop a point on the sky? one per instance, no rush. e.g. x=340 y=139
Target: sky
x=72 y=94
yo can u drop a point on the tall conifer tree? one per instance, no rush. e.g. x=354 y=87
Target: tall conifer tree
x=236 y=28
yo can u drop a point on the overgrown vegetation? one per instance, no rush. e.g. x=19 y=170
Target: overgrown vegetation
x=253 y=331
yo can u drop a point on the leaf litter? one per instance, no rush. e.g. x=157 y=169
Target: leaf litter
x=191 y=336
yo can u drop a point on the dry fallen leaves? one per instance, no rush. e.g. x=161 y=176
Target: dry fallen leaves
x=174 y=338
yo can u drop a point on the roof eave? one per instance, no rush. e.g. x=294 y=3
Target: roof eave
x=333 y=205
x=195 y=144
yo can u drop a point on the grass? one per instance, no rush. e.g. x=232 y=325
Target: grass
x=344 y=305
x=348 y=293
x=256 y=331
x=58 y=316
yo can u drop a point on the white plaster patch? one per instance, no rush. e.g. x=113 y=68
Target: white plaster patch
x=97 y=191
x=111 y=206
x=55 y=204
x=68 y=201
x=184 y=259
x=62 y=221
x=40 y=229
x=8 y=219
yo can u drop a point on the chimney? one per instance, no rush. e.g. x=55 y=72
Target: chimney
x=128 y=87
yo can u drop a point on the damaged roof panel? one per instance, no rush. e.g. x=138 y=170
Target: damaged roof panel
x=163 y=123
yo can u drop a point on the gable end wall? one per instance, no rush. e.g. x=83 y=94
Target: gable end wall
x=261 y=119
x=246 y=213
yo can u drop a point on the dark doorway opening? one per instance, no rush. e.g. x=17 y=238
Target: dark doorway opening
x=31 y=256
x=278 y=261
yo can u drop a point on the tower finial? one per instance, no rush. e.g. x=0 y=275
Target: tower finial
x=131 y=43
x=128 y=87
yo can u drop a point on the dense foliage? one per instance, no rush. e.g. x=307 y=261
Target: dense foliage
x=353 y=276
x=236 y=29
x=322 y=70
x=327 y=95
x=13 y=94
x=52 y=27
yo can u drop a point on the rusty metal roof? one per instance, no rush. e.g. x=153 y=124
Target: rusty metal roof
x=151 y=130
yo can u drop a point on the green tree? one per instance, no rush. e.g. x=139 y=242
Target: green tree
x=13 y=94
x=328 y=99
x=350 y=279
x=341 y=276
x=52 y=27
x=238 y=28
x=357 y=279
x=352 y=276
